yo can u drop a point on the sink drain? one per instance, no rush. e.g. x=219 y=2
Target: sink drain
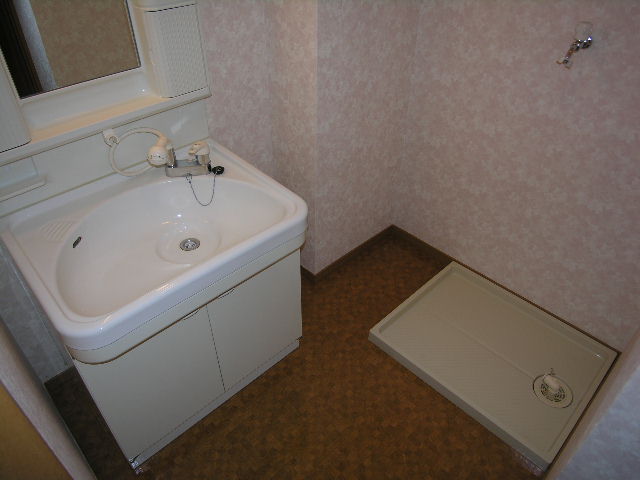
x=189 y=244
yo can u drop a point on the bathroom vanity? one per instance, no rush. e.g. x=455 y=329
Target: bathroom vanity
x=161 y=335
x=154 y=392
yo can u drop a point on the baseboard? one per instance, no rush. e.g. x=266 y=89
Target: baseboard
x=427 y=249
x=336 y=264
x=390 y=231
x=432 y=252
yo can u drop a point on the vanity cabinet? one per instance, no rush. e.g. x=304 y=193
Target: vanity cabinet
x=154 y=392
x=254 y=321
x=150 y=390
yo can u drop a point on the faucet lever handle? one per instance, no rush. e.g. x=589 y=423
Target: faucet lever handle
x=199 y=148
x=201 y=151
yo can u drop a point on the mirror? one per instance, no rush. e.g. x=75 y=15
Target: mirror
x=51 y=44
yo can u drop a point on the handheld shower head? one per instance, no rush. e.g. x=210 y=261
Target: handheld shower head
x=161 y=153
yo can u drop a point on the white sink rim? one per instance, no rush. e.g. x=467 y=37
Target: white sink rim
x=89 y=333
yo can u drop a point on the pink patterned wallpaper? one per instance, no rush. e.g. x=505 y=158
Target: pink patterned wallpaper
x=522 y=169
x=365 y=51
x=451 y=120
x=294 y=50
x=262 y=58
x=235 y=40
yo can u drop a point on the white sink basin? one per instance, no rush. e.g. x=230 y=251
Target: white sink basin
x=130 y=244
x=127 y=268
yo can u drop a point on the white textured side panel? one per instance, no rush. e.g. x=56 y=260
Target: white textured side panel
x=29 y=394
x=175 y=51
x=28 y=324
x=13 y=128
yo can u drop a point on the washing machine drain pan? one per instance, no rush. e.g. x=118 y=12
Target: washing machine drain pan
x=483 y=348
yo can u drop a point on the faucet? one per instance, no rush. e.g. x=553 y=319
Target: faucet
x=171 y=156
x=200 y=150
x=197 y=162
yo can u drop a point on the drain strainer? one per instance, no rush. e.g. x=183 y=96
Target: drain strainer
x=189 y=244
x=552 y=391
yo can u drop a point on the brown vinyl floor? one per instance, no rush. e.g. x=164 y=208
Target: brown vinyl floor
x=336 y=408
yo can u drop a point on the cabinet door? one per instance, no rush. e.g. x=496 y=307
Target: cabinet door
x=150 y=390
x=257 y=319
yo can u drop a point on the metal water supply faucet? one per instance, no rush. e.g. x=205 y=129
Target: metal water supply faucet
x=171 y=156
x=582 y=40
x=197 y=162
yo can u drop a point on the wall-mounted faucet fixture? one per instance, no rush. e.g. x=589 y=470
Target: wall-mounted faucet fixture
x=582 y=39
